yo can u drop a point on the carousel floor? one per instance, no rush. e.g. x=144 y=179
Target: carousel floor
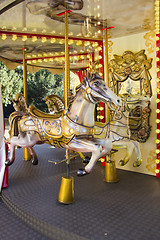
x=127 y=210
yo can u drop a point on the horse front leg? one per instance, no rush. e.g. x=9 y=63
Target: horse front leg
x=98 y=148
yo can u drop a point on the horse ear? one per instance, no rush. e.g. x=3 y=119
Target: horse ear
x=85 y=81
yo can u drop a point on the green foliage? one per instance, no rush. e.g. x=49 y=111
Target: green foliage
x=11 y=83
x=39 y=85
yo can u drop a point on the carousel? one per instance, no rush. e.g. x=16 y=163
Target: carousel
x=86 y=164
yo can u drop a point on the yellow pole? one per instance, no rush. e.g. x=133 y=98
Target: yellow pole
x=24 y=76
x=110 y=168
x=67 y=75
x=26 y=154
x=66 y=193
x=107 y=112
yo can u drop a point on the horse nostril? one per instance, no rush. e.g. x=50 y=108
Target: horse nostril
x=118 y=100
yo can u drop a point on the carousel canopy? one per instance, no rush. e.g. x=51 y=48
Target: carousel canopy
x=38 y=26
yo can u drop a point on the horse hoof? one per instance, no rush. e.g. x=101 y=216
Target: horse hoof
x=121 y=162
x=34 y=161
x=86 y=160
x=81 y=172
x=8 y=162
x=137 y=164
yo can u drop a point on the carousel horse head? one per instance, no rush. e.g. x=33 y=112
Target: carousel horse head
x=55 y=103
x=97 y=91
x=19 y=103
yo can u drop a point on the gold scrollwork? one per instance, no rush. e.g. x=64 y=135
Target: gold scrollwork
x=150 y=41
x=151 y=162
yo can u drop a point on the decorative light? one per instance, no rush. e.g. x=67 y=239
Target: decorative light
x=79 y=43
x=45 y=54
x=157 y=120
x=29 y=62
x=39 y=55
x=53 y=40
x=14 y=37
x=100 y=108
x=157 y=100
x=39 y=60
x=4 y=36
x=157 y=131
x=43 y=39
x=157 y=38
x=157 y=48
x=86 y=43
x=51 y=59
x=34 y=61
x=157 y=110
x=157 y=161
x=34 y=39
x=70 y=42
x=157 y=171
x=24 y=38
x=157 y=151
x=157 y=141
x=61 y=41
x=100 y=74
x=24 y=29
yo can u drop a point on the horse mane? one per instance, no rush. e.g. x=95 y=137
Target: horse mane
x=91 y=77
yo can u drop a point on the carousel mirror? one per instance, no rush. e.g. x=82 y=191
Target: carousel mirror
x=130 y=79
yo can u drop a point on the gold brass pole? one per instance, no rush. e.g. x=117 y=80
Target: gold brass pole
x=24 y=77
x=67 y=76
x=110 y=168
x=107 y=112
x=66 y=193
x=26 y=154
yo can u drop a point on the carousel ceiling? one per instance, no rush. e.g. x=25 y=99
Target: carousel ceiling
x=38 y=25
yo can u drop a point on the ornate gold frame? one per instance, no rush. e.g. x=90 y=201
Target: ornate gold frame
x=136 y=67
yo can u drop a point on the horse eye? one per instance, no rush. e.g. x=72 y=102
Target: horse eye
x=97 y=84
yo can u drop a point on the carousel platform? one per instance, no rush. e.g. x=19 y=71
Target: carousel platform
x=126 y=210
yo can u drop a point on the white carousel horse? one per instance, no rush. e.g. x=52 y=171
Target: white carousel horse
x=119 y=131
x=56 y=104
x=72 y=129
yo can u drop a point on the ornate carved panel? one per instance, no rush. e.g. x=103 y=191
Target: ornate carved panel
x=130 y=78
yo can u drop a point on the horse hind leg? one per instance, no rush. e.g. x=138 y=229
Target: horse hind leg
x=33 y=155
x=129 y=149
x=138 y=162
x=10 y=160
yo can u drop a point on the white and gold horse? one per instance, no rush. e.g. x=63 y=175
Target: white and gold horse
x=72 y=128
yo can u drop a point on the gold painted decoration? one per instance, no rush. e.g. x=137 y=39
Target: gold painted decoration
x=110 y=49
x=129 y=77
x=150 y=41
x=151 y=165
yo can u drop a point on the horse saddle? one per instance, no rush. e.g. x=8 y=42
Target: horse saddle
x=39 y=114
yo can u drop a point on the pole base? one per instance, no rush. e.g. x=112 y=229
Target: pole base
x=110 y=172
x=26 y=155
x=66 y=193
